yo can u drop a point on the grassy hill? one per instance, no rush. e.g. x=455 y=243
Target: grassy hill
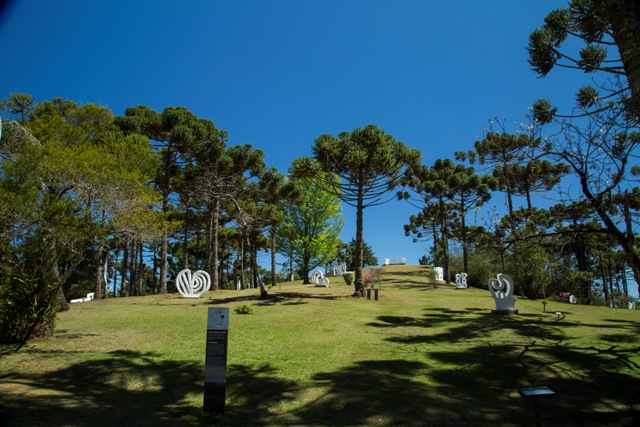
x=421 y=355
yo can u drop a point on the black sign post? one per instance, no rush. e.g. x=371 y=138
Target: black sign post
x=215 y=373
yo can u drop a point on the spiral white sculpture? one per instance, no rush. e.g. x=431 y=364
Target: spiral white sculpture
x=502 y=292
x=318 y=279
x=193 y=286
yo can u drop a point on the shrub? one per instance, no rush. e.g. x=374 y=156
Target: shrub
x=27 y=309
x=244 y=309
x=348 y=277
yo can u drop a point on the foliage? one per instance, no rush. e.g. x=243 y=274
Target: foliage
x=28 y=309
x=243 y=309
x=369 y=164
x=348 y=277
x=310 y=230
x=369 y=258
x=68 y=178
x=595 y=26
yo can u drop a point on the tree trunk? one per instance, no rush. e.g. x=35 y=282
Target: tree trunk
x=155 y=267
x=273 y=256
x=124 y=268
x=64 y=304
x=604 y=281
x=133 y=277
x=624 y=16
x=243 y=283
x=215 y=236
x=140 y=268
x=99 y=272
x=465 y=244
x=359 y=280
x=163 y=262
x=105 y=272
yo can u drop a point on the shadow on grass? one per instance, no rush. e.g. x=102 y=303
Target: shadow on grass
x=125 y=388
x=594 y=384
x=464 y=371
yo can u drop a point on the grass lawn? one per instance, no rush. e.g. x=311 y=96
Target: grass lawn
x=315 y=356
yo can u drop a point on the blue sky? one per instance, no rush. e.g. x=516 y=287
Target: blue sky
x=279 y=73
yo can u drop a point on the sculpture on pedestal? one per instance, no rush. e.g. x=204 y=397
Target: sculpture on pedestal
x=502 y=292
x=318 y=279
x=193 y=286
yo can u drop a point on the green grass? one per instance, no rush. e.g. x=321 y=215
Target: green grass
x=315 y=356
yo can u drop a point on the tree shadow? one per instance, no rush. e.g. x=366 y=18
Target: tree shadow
x=377 y=392
x=594 y=385
x=126 y=388
x=252 y=395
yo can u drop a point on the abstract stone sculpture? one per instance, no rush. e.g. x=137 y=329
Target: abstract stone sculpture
x=395 y=261
x=502 y=292
x=461 y=281
x=193 y=286
x=339 y=269
x=318 y=279
x=439 y=273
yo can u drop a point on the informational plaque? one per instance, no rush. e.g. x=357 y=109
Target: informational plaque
x=215 y=373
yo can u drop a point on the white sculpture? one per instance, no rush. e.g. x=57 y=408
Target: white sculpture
x=439 y=273
x=89 y=297
x=193 y=286
x=502 y=292
x=461 y=281
x=338 y=269
x=395 y=261
x=573 y=299
x=632 y=305
x=318 y=279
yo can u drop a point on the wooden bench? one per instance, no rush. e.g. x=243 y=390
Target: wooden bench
x=375 y=290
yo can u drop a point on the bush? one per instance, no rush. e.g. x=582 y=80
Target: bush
x=27 y=309
x=244 y=309
x=348 y=277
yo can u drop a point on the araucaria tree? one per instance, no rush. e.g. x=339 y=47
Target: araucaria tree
x=370 y=164
x=599 y=138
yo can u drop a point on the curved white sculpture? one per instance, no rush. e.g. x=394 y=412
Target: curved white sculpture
x=461 y=281
x=193 y=286
x=502 y=292
x=318 y=279
x=573 y=299
x=439 y=273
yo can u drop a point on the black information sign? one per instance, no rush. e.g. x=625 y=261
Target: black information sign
x=215 y=373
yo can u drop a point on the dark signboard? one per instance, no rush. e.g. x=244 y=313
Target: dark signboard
x=215 y=371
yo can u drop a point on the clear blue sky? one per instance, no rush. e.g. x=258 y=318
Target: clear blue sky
x=279 y=73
